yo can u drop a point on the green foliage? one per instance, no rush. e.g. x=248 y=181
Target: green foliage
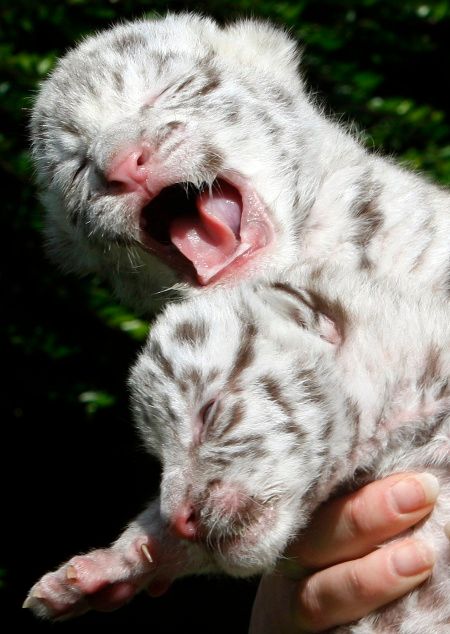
x=115 y=315
x=377 y=63
x=96 y=400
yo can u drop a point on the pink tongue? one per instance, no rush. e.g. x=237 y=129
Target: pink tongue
x=209 y=240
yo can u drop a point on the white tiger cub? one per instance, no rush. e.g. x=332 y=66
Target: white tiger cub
x=174 y=149
x=261 y=402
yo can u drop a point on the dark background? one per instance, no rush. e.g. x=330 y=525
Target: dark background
x=72 y=472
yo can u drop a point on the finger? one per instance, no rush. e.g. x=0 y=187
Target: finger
x=447 y=530
x=271 y=612
x=351 y=590
x=352 y=526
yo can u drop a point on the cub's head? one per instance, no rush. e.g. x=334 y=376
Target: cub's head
x=164 y=151
x=232 y=395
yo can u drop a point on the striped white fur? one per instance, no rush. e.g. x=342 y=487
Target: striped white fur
x=321 y=380
x=243 y=112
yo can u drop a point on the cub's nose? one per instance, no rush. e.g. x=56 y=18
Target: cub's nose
x=129 y=169
x=184 y=522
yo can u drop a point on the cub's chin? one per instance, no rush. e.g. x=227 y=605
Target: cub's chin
x=254 y=551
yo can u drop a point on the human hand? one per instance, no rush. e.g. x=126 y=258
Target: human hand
x=345 y=575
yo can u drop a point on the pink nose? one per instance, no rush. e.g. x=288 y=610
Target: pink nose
x=184 y=523
x=130 y=169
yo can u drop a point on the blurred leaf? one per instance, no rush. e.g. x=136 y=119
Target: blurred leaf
x=115 y=315
x=95 y=401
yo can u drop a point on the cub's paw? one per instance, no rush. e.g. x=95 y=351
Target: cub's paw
x=103 y=580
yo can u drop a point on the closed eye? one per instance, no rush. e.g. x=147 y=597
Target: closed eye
x=207 y=415
x=81 y=168
x=207 y=412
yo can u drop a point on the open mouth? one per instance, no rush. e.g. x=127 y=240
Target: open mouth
x=203 y=231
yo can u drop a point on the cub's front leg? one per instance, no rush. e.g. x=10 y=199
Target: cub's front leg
x=146 y=555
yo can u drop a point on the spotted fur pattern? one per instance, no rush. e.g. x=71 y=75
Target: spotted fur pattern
x=266 y=405
x=209 y=101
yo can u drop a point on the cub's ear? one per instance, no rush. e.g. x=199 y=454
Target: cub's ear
x=309 y=309
x=262 y=45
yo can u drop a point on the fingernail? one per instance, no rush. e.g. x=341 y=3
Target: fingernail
x=415 y=492
x=412 y=558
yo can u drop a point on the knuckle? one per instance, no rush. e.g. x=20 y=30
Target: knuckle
x=356 y=517
x=309 y=609
x=366 y=514
x=359 y=585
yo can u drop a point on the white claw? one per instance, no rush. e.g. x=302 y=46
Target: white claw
x=146 y=552
x=28 y=602
x=31 y=598
x=71 y=573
